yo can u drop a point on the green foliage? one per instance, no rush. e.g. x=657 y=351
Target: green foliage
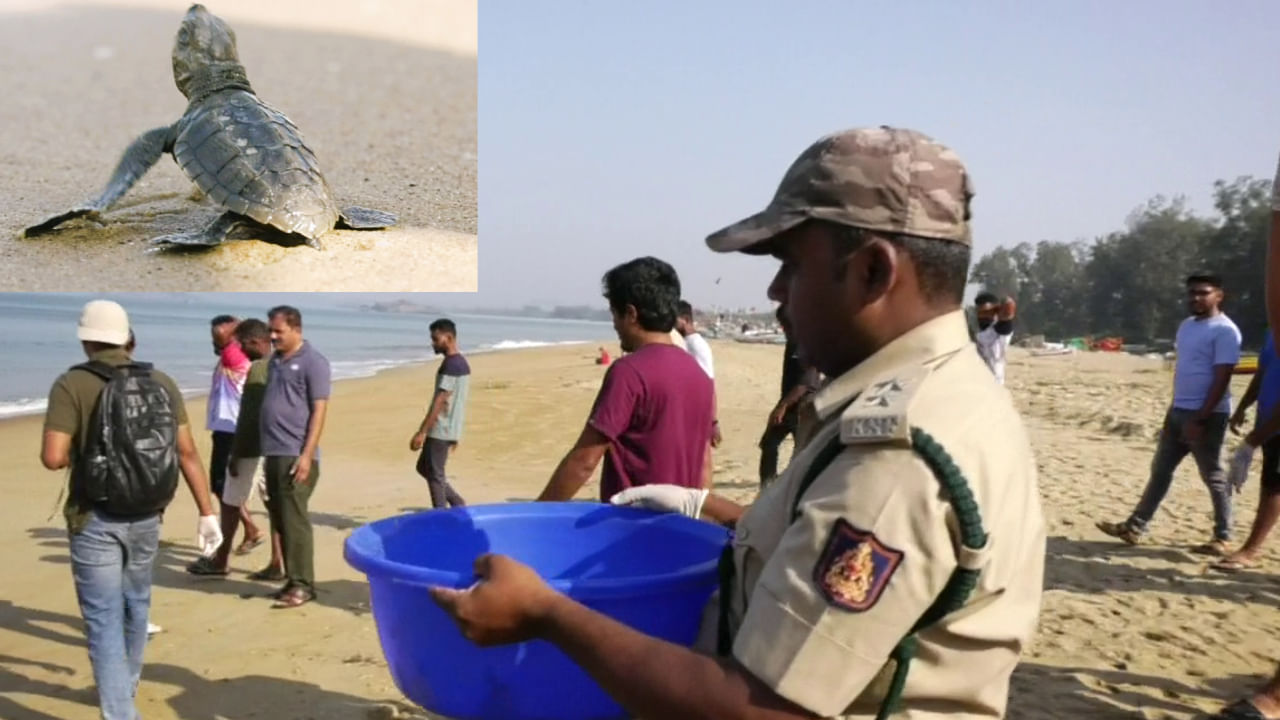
x=1130 y=282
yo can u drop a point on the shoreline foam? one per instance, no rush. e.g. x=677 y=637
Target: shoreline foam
x=27 y=407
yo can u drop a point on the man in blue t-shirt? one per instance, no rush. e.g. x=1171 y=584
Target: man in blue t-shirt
x=1265 y=389
x=1208 y=348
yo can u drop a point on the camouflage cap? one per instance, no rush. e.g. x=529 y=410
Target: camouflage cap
x=888 y=179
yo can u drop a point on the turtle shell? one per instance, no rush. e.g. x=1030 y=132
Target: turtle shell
x=249 y=158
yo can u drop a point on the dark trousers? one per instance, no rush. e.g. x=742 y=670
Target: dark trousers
x=1169 y=454
x=1269 y=473
x=287 y=505
x=769 y=442
x=431 y=461
x=219 y=459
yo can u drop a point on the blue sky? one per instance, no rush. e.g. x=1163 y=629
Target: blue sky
x=611 y=130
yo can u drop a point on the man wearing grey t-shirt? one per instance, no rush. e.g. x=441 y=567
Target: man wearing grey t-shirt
x=441 y=429
x=1208 y=348
x=291 y=420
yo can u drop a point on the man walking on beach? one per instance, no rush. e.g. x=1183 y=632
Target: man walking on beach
x=102 y=422
x=1265 y=703
x=799 y=381
x=995 y=330
x=652 y=418
x=292 y=418
x=1208 y=348
x=223 y=408
x=1265 y=389
x=243 y=462
x=441 y=429
x=901 y=531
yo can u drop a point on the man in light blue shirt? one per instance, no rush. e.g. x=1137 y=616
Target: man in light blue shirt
x=1208 y=348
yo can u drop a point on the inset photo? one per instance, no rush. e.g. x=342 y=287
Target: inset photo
x=299 y=145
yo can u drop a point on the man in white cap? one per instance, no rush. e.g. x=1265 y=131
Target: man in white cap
x=120 y=484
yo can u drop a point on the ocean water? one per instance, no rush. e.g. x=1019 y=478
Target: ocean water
x=39 y=337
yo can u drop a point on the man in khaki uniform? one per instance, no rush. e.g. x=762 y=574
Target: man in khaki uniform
x=916 y=498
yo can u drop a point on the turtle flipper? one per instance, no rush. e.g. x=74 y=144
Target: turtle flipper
x=138 y=158
x=211 y=235
x=53 y=222
x=358 y=218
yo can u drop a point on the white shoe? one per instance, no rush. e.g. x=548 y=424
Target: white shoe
x=152 y=629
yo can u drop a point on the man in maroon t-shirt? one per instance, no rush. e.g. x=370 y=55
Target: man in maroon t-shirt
x=652 y=419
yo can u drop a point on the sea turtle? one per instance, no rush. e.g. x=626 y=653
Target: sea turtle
x=242 y=153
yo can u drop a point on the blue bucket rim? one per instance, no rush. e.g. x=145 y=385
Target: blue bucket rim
x=636 y=585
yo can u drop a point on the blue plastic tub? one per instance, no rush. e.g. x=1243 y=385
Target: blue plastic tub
x=652 y=571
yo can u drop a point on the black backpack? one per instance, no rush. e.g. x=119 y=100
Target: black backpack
x=130 y=463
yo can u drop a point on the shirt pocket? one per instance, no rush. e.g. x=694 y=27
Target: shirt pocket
x=297 y=384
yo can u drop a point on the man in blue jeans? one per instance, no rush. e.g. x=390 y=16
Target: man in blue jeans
x=112 y=555
x=1208 y=348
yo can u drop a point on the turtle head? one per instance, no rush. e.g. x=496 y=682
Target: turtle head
x=205 y=46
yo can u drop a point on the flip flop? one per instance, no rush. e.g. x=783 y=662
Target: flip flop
x=1214 y=547
x=247 y=546
x=205 y=566
x=279 y=592
x=1228 y=565
x=296 y=597
x=270 y=574
x=1240 y=710
x=1119 y=530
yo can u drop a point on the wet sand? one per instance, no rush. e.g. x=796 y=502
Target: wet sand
x=383 y=91
x=1142 y=632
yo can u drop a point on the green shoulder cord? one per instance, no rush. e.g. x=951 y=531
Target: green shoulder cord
x=959 y=586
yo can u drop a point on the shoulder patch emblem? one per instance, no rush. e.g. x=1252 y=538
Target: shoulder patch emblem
x=854 y=567
x=879 y=414
x=881 y=393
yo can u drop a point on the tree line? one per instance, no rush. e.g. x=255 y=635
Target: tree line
x=1130 y=283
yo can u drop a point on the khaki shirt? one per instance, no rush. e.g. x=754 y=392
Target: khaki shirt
x=817 y=605
x=72 y=401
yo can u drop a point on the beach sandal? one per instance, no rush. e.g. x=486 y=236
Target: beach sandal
x=249 y=544
x=205 y=566
x=1213 y=547
x=1230 y=565
x=1240 y=710
x=1120 y=530
x=271 y=574
x=280 y=591
x=294 y=597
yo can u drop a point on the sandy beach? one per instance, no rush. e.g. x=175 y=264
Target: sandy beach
x=1142 y=632
x=384 y=92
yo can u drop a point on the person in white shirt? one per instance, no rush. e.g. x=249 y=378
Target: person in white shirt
x=700 y=349
x=995 y=330
x=697 y=345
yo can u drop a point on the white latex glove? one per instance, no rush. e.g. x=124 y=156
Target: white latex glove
x=664 y=498
x=208 y=535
